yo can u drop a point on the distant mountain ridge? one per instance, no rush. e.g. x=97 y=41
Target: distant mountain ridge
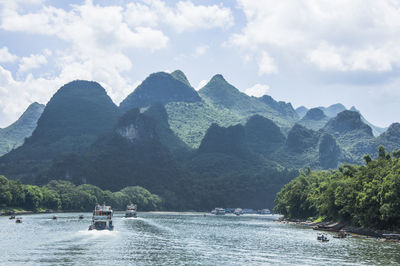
x=14 y=135
x=332 y=111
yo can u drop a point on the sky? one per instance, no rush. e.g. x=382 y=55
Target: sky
x=311 y=53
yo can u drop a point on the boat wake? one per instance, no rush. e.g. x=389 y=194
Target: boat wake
x=98 y=233
x=130 y=218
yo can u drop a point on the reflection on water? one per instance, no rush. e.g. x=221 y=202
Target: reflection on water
x=180 y=238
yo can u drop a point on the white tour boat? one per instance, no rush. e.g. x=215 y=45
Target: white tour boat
x=102 y=218
x=131 y=211
x=238 y=211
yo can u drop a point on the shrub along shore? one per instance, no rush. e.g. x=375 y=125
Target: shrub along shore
x=64 y=196
x=365 y=197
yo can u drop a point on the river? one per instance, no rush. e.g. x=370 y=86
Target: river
x=180 y=239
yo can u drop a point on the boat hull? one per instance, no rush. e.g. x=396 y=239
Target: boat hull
x=108 y=228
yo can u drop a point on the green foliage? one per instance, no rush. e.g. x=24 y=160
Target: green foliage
x=63 y=195
x=367 y=196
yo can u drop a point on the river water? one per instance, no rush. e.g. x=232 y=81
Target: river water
x=181 y=239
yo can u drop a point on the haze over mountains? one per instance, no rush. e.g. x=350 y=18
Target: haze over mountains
x=217 y=146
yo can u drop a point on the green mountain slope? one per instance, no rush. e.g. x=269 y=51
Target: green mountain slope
x=219 y=93
x=14 y=135
x=76 y=115
x=190 y=121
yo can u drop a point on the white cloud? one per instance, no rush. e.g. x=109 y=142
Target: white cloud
x=330 y=58
x=266 y=65
x=97 y=39
x=190 y=17
x=6 y=56
x=201 y=50
x=33 y=61
x=201 y=84
x=257 y=90
x=359 y=35
x=184 y=16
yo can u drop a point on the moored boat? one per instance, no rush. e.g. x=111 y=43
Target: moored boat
x=12 y=217
x=131 y=211
x=218 y=211
x=18 y=220
x=264 y=211
x=102 y=218
x=238 y=211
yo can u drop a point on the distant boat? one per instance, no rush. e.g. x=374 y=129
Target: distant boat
x=264 y=211
x=249 y=211
x=80 y=217
x=54 y=217
x=102 y=218
x=131 y=211
x=12 y=217
x=238 y=211
x=218 y=211
x=18 y=220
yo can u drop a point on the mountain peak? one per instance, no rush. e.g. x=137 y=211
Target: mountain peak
x=301 y=111
x=218 y=79
x=392 y=133
x=179 y=75
x=79 y=104
x=347 y=121
x=163 y=88
x=315 y=114
x=219 y=85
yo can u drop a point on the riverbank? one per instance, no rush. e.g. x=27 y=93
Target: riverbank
x=341 y=227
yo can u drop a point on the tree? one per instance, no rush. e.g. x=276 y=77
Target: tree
x=5 y=194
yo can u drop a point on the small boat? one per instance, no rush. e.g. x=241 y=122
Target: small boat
x=322 y=237
x=130 y=211
x=12 y=217
x=18 y=220
x=264 y=211
x=54 y=217
x=80 y=217
x=218 y=211
x=102 y=218
x=238 y=211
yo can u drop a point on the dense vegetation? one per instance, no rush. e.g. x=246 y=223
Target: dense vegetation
x=366 y=196
x=65 y=196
